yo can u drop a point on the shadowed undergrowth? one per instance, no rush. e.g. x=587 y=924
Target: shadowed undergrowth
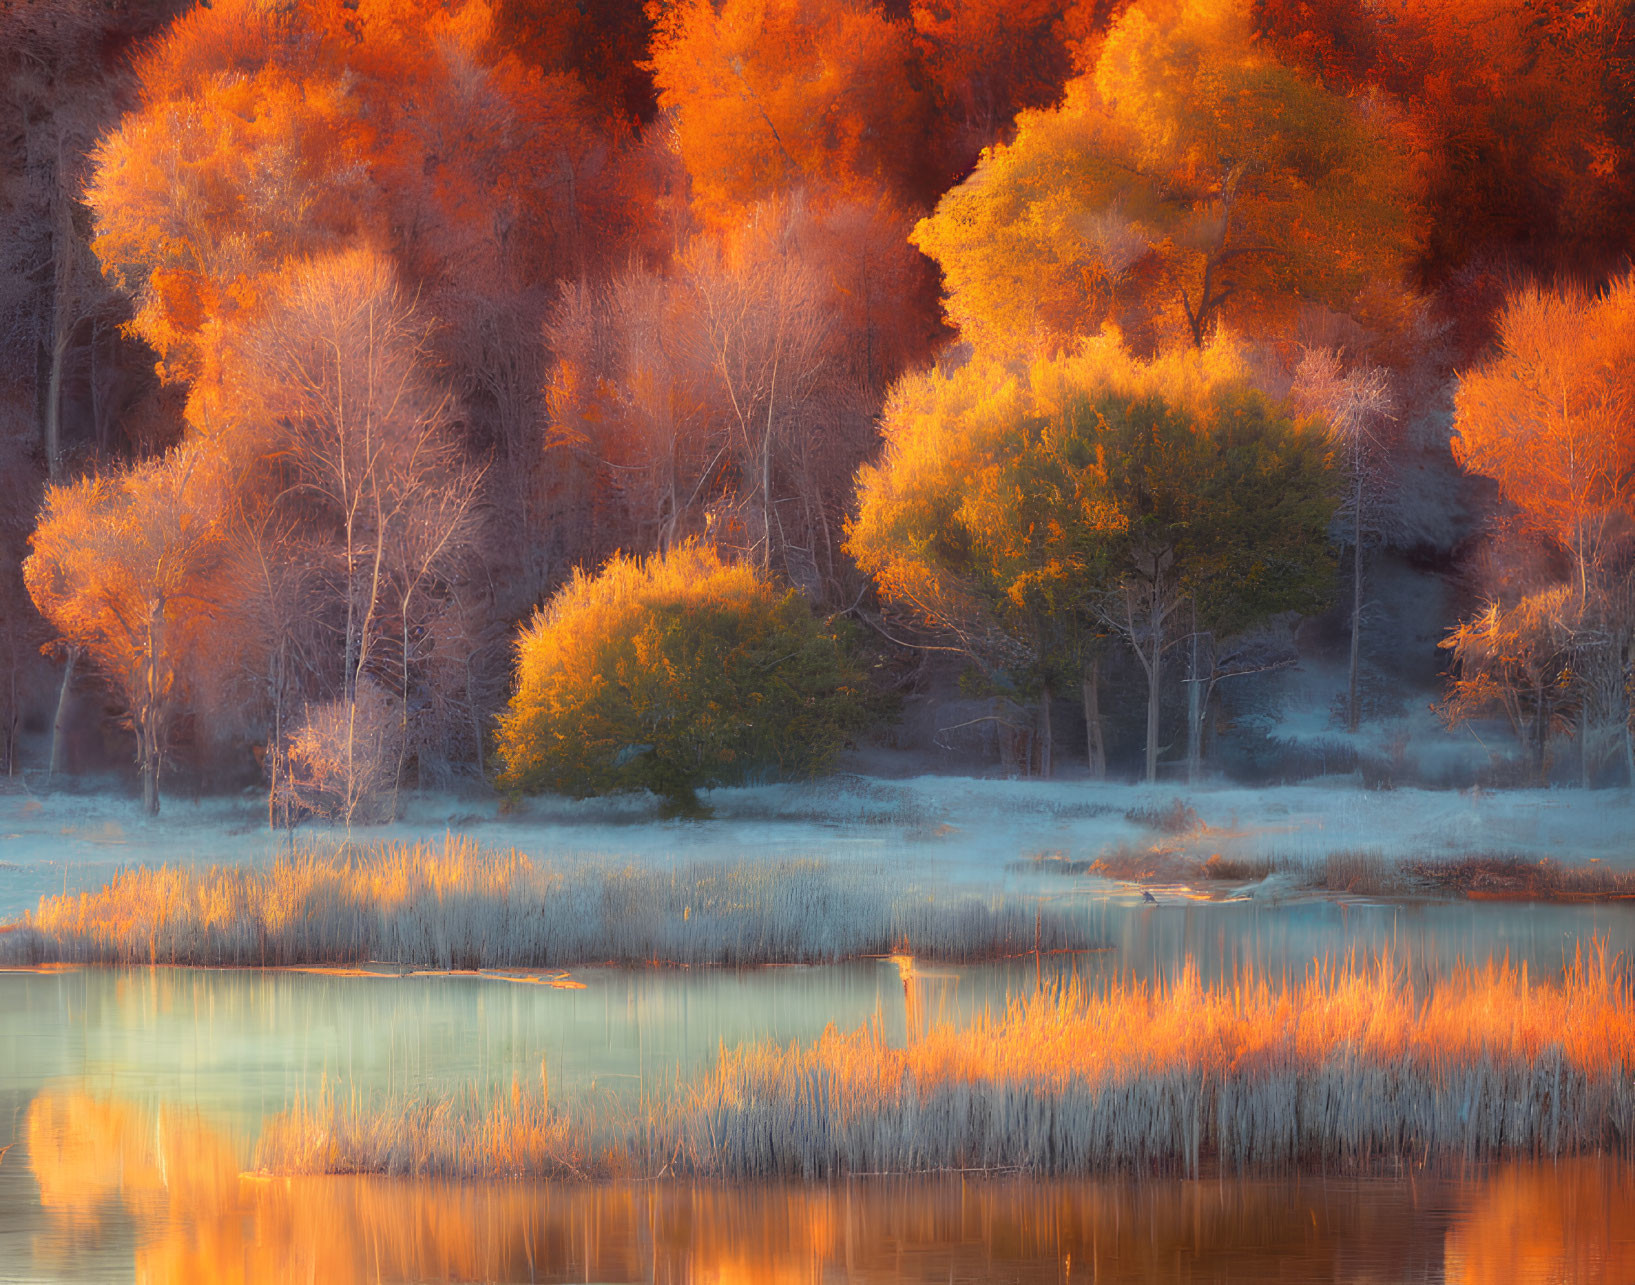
x=1350 y=1069
x=456 y=905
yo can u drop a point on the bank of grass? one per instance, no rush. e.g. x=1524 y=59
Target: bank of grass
x=1350 y=1069
x=456 y=905
x=1359 y=872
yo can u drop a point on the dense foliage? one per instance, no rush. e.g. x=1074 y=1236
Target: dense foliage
x=671 y=674
x=1094 y=493
x=353 y=327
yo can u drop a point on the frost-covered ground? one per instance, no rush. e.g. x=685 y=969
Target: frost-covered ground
x=963 y=830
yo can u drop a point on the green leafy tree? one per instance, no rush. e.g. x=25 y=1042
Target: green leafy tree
x=1094 y=493
x=675 y=674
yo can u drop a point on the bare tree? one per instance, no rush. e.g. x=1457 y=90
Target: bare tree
x=1357 y=404
x=339 y=382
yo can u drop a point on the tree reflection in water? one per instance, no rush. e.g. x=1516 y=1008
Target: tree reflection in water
x=105 y=1166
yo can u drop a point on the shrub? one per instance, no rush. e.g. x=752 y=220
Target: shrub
x=343 y=759
x=672 y=674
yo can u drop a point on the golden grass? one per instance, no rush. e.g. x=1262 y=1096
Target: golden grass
x=1349 y=1068
x=457 y=905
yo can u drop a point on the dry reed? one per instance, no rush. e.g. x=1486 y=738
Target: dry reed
x=456 y=905
x=1349 y=1069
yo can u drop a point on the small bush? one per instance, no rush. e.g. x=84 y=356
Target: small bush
x=344 y=758
x=674 y=674
x=1177 y=818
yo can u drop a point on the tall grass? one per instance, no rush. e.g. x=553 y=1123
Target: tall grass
x=1350 y=1068
x=97 y=1159
x=456 y=905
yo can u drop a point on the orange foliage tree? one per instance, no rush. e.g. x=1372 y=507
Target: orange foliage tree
x=266 y=134
x=1551 y=419
x=122 y=567
x=1521 y=113
x=771 y=95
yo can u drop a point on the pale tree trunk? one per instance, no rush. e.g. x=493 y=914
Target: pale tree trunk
x=53 y=407
x=1629 y=753
x=1195 y=716
x=1353 y=717
x=1541 y=732
x=1095 y=746
x=59 y=723
x=150 y=774
x=1153 y=663
x=148 y=716
x=64 y=315
x=1046 y=732
x=1154 y=693
x=1584 y=743
x=275 y=751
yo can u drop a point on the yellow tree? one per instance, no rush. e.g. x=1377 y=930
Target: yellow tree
x=1188 y=177
x=1159 y=501
x=672 y=674
x=122 y=567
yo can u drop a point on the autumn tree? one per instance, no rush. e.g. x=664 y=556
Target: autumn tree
x=269 y=134
x=986 y=60
x=122 y=567
x=673 y=674
x=731 y=392
x=1160 y=501
x=773 y=95
x=1521 y=115
x=1189 y=177
x=1551 y=419
x=602 y=42
x=926 y=513
x=1517 y=658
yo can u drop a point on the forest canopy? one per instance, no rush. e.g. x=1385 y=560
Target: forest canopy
x=345 y=335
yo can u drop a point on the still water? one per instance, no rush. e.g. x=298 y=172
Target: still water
x=132 y=1099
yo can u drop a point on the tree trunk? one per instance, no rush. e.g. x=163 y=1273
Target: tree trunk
x=1353 y=717
x=1154 y=695
x=1541 y=733
x=1629 y=753
x=1046 y=732
x=62 y=324
x=1095 y=746
x=59 y=723
x=150 y=777
x=1584 y=744
x=53 y=408
x=1195 y=716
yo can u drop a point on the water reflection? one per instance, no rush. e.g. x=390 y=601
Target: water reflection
x=246 y=1043
x=162 y=1192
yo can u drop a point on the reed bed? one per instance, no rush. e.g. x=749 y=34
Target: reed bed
x=1348 y=1069
x=457 y=905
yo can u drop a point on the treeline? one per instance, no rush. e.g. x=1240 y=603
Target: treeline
x=343 y=332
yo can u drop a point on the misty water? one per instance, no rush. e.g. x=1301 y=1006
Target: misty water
x=133 y=1097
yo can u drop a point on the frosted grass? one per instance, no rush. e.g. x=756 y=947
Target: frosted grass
x=455 y=905
x=1349 y=1070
